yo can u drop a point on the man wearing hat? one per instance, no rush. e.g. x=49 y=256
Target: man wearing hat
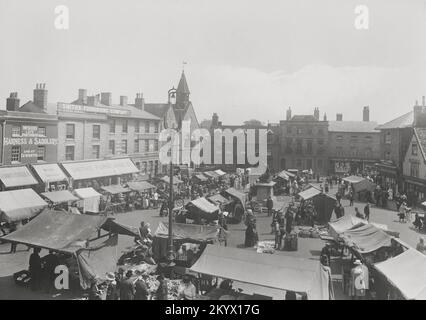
x=141 y=289
x=162 y=291
x=127 y=289
x=112 y=290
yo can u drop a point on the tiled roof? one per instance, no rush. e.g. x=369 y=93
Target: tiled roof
x=352 y=126
x=31 y=107
x=303 y=118
x=157 y=109
x=404 y=121
x=421 y=138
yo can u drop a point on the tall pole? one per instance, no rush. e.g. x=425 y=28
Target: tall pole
x=171 y=207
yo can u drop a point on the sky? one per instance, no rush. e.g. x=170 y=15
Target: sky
x=246 y=59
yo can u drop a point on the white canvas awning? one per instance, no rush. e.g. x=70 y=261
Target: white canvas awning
x=16 y=177
x=16 y=205
x=86 y=193
x=49 y=172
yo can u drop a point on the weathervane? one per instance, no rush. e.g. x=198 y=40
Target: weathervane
x=183 y=65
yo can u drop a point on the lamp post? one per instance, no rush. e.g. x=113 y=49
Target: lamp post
x=171 y=254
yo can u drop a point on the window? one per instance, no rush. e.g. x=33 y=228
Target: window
x=388 y=138
x=309 y=130
x=309 y=148
x=112 y=126
x=354 y=139
x=299 y=146
x=16 y=131
x=289 y=129
x=155 y=145
x=414 y=149
x=144 y=167
x=96 y=151
x=368 y=139
x=41 y=153
x=368 y=152
x=387 y=155
x=157 y=128
x=414 y=169
x=146 y=145
x=69 y=153
x=320 y=142
x=137 y=124
x=41 y=131
x=319 y=163
x=283 y=163
x=321 y=131
x=339 y=138
x=70 y=131
x=151 y=145
x=308 y=163
x=299 y=163
x=289 y=142
x=299 y=131
x=111 y=146
x=146 y=126
x=125 y=126
x=136 y=148
x=156 y=167
x=339 y=151
x=151 y=167
x=96 y=131
x=124 y=146
x=16 y=154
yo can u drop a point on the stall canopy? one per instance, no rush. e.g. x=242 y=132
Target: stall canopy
x=347 y=222
x=220 y=172
x=182 y=231
x=16 y=205
x=309 y=193
x=140 y=185
x=353 y=179
x=218 y=199
x=101 y=168
x=204 y=205
x=360 y=183
x=176 y=180
x=201 y=177
x=61 y=231
x=323 y=202
x=86 y=193
x=407 y=273
x=237 y=194
x=115 y=189
x=60 y=196
x=366 y=238
x=285 y=175
x=49 y=172
x=211 y=174
x=16 y=177
x=272 y=271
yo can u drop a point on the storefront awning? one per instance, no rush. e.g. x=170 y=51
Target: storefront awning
x=17 y=205
x=140 y=185
x=273 y=271
x=86 y=193
x=60 y=196
x=49 y=172
x=16 y=177
x=99 y=169
x=115 y=189
x=407 y=273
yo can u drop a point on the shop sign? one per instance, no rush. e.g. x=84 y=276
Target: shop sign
x=74 y=108
x=29 y=141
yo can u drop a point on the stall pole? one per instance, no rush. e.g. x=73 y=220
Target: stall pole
x=170 y=256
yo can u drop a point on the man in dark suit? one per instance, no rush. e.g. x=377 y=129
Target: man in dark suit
x=127 y=289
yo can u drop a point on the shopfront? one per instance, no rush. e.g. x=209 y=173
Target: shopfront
x=415 y=190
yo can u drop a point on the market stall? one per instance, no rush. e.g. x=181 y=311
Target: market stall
x=200 y=178
x=88 y=253
x=17 y=205
x=281 y=272
x=360 y=184
x=238 y=205
x=141 y=186
x=201 y=210
x=199 y=235
x=60 y=199
x=345 y=223
x=324 y=203
x=90 y=200
x=406 y=272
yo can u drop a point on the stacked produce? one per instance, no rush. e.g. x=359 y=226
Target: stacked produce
x=312 y=232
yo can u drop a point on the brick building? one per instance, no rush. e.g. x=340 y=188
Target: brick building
x=353 y=146
x=92 y=127
x=29 y=132
x=303 y=141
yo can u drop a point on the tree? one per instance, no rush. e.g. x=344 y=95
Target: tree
x=253 y=122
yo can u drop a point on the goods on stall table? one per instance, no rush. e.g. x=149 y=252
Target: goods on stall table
x=266 y=247
x=309 y=232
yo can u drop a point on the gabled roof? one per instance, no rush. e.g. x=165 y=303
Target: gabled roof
x=303 y=118
x=404 y=121
x=353 y=126
x=31 y=107
x=183 y=85
x=420 y=134
x=157 y=109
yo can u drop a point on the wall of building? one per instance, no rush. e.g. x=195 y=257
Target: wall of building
x=416 y=158
x=29 y=140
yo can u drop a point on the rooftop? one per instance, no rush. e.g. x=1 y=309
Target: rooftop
x=404 y=121
x=421 y=138
x=353 y=126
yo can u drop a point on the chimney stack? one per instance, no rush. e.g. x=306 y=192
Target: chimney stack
x=123 y=101
x=106 y=98
x=317 y=114
x=339 y=117
x=12 y=103
x=419 y=115
x=140 y=101
x=366 y=114
x=82 y=96
x=93 y=100
x=40 y=96
x=288 y=114
x=215 y=121
x=325 y=116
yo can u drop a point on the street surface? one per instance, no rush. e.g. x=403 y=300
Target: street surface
x=307 y=248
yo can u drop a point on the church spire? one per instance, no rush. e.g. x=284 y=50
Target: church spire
x=182 y=92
